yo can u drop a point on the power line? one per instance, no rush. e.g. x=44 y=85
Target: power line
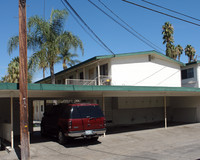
x=122 y=25
x=171 y=10
x=128 y=25
x=88 y=27
x=161 y=13
x=71 y=13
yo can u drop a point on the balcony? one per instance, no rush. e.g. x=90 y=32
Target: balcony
x=101 y=80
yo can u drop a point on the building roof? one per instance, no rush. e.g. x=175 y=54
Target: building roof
x=195 y=62
x=111 y=56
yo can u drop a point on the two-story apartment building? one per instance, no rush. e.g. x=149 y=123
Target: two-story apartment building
x=148 y=68
x=131 y=88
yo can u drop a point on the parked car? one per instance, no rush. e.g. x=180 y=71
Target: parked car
x=70 y=121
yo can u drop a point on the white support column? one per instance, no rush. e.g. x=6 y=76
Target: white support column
x=165 y=111
x=98 y=72
x=11 y=115
x=103 y=107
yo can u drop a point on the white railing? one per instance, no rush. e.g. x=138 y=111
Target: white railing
x=103 y=80
x=80 y=82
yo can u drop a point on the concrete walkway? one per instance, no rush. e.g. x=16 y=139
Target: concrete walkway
x=175 y=143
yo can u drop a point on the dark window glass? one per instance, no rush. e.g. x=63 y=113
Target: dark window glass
x=66 y=112
x=42 y=108
x=104 y=69
x=81 y=75
x=187 y=73
x=90 y=111
x=184 y=74
x=190 y=73
x=59 y=81
x=75 y=114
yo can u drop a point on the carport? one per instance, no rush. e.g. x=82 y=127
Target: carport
x=175 y=103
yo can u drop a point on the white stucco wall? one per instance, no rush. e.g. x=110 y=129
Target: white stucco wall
x=191 y=82
x=139 y=71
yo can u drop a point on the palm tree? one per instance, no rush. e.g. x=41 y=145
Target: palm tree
x=190 y=52
x=69 y=42
x=45 y=36
x=67 y=58
x=38 y=60
x=179 y=51
x=167 y=31
x=13 y=72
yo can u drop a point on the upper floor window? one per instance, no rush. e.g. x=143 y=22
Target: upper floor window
x=187 y=73
x=81 y=75
x=59 y=81
x=104 y=69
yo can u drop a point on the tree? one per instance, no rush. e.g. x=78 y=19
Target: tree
x=190 y=52
x=69 y=42
x=179 y=51
x=38 y=60
x=45 y=37
x=167 y=31
x=13 y=72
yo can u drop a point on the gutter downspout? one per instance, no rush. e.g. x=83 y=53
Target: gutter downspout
x=11 y=115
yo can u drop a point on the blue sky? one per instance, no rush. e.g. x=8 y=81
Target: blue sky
x=147 y=23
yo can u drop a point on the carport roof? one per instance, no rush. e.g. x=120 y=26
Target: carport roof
x=77 y=91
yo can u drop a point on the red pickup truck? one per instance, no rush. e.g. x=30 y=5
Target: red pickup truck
x=70 y=121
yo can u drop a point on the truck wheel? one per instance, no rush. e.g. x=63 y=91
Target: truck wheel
x=61 y=137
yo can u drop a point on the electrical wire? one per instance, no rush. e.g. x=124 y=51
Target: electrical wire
x=129 y=25
x=162 y=13
x=71 y=13
x=79 y=17
x=123 y=26
x=170 y=10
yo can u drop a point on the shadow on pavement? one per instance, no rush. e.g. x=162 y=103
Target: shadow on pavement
x=138 y=127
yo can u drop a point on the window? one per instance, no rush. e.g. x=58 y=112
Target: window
x=81 y=75
x=104 y=69
x=70 y=81
x=59 y=81
x=89 y=111
x=42 y=108
x=187 y=73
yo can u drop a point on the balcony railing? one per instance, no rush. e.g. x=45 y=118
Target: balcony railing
x=102 y=80
x=80 y=82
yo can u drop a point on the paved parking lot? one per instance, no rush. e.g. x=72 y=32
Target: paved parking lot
x=175 y=143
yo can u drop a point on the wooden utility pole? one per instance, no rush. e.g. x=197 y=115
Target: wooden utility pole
x=24 y=135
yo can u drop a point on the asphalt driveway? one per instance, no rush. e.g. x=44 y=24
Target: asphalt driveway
x=175 y=143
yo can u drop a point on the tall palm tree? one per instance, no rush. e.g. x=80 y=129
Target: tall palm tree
x=167 y=31
x=190 y=52
x=46 y=35
x=179 y=51
x=69 y=42
x=13 y=72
